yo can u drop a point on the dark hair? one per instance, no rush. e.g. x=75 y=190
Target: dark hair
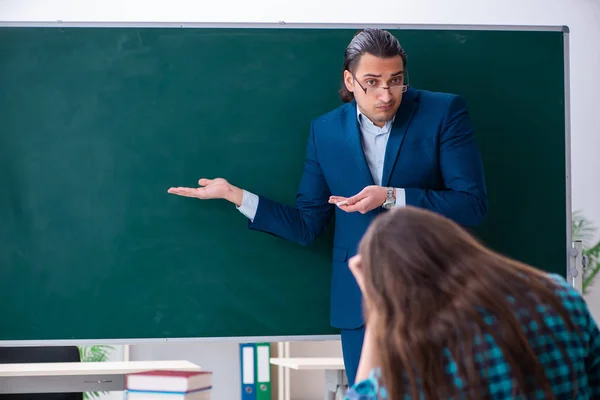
x=377 y=42
x=426 y=280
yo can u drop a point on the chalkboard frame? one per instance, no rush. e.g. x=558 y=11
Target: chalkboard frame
x=571 y=274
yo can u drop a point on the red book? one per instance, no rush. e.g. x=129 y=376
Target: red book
x=169 y=381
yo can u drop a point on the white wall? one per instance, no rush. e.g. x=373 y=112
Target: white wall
x=582 y=16
x=309 y=385
x=222 y=358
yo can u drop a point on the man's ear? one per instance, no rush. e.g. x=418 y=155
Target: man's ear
x=348 y=81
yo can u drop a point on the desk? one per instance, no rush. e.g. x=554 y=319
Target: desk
x=78 y=376
x=335 y=375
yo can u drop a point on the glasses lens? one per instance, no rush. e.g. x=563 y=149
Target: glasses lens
x=393 y=89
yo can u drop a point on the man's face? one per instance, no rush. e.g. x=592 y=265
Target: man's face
x=383 y=79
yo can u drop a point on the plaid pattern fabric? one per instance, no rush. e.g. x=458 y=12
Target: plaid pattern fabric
x=582 y=349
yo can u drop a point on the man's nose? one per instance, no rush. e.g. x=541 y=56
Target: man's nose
x=385 y=95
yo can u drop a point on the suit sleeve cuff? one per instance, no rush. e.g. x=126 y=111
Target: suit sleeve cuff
x=249 y=205
x=400 y=198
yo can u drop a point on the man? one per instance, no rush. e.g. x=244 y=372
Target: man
x=388 y=146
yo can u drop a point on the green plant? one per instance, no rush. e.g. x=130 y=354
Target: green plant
x=584 y=230
x=95 y=353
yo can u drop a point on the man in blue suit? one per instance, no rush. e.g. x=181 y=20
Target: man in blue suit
x=388 y=146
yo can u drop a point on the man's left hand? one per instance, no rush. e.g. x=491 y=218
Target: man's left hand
x=368 y=199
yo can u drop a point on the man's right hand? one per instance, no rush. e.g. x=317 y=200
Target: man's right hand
x=217 y=188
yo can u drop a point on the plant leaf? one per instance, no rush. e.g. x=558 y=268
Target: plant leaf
x=582 y=228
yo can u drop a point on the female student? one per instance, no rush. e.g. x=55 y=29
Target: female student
x=447 y=318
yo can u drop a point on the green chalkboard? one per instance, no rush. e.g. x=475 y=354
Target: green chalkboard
x=98 y=122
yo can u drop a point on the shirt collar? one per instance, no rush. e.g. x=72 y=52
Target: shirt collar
x=367 y=125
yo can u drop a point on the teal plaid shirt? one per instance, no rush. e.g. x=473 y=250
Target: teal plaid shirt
x=583 y=351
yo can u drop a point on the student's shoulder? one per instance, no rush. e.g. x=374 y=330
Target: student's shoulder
x=562 y=287
x=571 y=299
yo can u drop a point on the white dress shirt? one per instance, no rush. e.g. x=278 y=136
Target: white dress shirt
x=374 y=141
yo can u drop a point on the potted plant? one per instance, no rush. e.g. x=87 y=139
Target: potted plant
x=583 y=229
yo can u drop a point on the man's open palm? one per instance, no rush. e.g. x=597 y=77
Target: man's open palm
x=217 y=188
x=366 y=200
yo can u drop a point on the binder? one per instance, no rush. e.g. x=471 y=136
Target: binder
x=263 y=371
x=247 y=364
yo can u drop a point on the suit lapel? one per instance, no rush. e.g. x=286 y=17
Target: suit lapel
x=353 y=139
x=401 y=122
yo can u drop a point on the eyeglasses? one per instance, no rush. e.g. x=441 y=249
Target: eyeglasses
x=393 y=87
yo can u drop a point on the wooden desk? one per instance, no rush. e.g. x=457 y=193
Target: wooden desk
x=335 y=374
x=78 y=376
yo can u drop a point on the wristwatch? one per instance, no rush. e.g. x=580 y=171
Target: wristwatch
x=390 y=201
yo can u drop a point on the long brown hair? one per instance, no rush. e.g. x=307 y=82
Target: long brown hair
x=428 y=280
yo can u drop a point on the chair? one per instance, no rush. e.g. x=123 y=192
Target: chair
x=41 y=354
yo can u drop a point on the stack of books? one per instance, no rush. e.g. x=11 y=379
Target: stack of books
x=169 y=385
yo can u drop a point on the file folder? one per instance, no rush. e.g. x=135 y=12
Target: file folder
x=248 y=375
x=263 y=371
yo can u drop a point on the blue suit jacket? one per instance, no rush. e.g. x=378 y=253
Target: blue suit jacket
x=431 y=153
